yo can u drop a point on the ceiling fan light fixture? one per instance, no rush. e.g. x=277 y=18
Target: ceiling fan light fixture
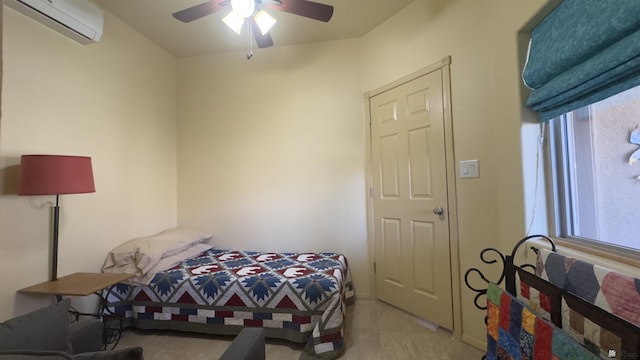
x=265 y=21
x=244 y=8
x=234 y=21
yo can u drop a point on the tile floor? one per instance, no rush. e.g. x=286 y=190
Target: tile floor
x=374 y=330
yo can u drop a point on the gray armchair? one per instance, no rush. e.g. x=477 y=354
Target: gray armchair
x=248 y=345
x=46 y=334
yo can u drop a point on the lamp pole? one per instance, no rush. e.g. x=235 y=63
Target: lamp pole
x=54 y=250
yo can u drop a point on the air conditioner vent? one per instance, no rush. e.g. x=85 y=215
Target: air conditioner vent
x=80 y=20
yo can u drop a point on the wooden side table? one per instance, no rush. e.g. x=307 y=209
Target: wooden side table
x=84 y=284
x=78 y=284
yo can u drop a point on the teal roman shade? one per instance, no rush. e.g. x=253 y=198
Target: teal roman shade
x=581 y=53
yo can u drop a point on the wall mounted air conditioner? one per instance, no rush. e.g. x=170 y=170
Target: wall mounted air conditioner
x=81 y=20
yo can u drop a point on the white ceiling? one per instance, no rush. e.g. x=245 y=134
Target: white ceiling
x=208 y=35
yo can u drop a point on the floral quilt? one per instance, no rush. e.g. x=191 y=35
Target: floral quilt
x=300 y=297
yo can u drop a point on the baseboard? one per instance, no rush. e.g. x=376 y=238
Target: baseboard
x=475 y=342
x=363 y=295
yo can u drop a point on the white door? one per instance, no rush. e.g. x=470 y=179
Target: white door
x=410 y=210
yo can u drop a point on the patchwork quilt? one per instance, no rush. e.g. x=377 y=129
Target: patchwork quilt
x=611 y=291
x=540 y=297
x=300 y=297
x=594 y=337
x=514 y=332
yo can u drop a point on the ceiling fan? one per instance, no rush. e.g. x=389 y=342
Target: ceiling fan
x=260 y=22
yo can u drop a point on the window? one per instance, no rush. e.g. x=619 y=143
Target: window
x=596 y=189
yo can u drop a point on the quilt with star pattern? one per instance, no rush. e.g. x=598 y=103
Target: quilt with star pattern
x=300 y=297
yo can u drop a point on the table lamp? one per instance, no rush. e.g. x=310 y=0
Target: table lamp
x=55 y=175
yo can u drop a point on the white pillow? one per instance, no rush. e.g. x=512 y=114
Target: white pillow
x=140 y=255
x=169 y=262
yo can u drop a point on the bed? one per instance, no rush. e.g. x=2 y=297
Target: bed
x=558 y=307
x=300 y=297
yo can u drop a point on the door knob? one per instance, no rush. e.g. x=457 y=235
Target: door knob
x=438 y=210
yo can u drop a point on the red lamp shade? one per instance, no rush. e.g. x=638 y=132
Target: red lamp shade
x=55 y=175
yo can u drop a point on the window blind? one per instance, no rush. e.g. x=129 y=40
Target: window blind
x=582 y=52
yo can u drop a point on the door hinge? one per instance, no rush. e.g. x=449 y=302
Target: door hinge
x=371 y=192
x=374 y=267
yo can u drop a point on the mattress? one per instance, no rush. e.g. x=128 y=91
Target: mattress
x=300 y=297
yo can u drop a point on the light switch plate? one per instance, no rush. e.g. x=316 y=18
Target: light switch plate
x=469 y=169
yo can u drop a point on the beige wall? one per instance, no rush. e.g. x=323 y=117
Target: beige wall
x=114 y=101
x=271 y=151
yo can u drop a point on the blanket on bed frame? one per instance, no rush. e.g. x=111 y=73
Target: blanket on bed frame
x=575 y=302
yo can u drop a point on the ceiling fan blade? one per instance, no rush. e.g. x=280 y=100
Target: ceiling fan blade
x=263 y=41
x=309 y=9
x=200 y=10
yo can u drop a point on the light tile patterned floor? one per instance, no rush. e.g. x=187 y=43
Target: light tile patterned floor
x=374 y=330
